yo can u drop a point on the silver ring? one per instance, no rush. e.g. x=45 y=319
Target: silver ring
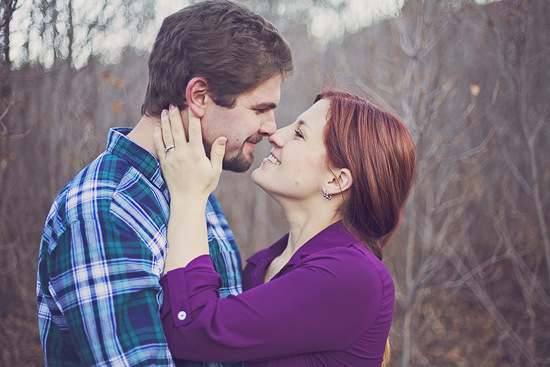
x=168 y=148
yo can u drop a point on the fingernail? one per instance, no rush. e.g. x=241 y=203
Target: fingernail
x=222 y=141
x=157 y=129
x=164 y=112
x=172 y=106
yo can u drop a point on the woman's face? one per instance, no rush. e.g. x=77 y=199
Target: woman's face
x=296 y=167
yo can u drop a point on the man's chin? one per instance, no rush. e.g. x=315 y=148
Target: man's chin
x=237 y=164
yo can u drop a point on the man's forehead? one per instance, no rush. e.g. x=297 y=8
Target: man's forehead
x=268 y=92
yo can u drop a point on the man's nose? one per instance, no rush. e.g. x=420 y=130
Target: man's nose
x=268 y=126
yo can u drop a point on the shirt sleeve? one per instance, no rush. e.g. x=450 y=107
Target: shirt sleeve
x=105 y=282
x=224 y=252
x=325 y=303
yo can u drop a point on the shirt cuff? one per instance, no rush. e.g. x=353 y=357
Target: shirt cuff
x=187 y=290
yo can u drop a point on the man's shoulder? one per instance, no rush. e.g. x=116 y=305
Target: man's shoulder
x=89 y=195
x=108 y=193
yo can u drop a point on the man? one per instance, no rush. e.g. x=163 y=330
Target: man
x=104 y=243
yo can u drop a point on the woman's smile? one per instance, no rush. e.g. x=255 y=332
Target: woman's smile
x=273 y=159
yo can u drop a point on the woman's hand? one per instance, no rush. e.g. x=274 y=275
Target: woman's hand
x=191 y=177
x=188 y=172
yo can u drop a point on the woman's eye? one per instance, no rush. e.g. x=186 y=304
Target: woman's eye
x=298 y=133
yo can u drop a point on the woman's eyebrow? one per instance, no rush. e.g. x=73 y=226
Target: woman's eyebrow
x=303 y=123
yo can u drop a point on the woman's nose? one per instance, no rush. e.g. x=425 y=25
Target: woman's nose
x=277 y=139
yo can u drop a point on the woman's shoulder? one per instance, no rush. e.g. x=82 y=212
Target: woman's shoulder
x=352 y=253
x=352 y=272
x=354 y=264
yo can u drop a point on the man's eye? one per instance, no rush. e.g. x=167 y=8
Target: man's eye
x=261 y=110
x=298 y=133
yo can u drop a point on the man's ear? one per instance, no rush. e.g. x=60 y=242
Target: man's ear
x=196 y=94
x=340 y=182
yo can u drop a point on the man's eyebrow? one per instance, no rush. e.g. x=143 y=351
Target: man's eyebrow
x=265 y=105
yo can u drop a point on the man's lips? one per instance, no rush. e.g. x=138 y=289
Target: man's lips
x=254 y=141
x=251 y=142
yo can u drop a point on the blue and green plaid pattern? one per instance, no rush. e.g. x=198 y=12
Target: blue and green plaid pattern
x=101 y=258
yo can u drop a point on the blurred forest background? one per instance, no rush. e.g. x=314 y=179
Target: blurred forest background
x=471 y=262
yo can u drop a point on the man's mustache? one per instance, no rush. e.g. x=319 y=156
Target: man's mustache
x=254 y=140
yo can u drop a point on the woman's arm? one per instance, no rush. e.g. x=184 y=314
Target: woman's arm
x=324 y=304
x=191 y=177
x=328 y=301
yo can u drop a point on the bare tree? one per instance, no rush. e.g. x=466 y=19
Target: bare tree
x=471 y=260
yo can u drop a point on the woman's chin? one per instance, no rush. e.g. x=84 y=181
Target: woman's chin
x=259 y=179
x=255 y=176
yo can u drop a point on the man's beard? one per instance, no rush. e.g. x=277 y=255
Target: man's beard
x=238 y=163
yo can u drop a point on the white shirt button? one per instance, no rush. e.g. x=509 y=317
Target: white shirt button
x=182 y=315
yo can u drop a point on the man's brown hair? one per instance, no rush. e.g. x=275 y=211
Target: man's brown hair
x=230 y=46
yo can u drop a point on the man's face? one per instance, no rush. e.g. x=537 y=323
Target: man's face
x=244 y=125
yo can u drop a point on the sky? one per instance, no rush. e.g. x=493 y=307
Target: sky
x=326 y=25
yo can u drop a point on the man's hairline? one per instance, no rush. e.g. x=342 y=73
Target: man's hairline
x=251 y=90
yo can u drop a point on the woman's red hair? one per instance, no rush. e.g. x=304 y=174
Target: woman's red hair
x=380 y=153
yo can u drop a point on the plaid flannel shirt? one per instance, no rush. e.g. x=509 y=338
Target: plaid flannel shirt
x=102 y=255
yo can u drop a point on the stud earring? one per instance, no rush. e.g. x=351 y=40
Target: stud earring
x=326 y=195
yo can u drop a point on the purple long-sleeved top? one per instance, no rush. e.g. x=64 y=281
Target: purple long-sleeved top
x=331 y=305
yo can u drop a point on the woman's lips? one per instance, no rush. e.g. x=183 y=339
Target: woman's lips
x=273 y=159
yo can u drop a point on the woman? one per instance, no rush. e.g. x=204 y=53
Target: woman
x=320 y=296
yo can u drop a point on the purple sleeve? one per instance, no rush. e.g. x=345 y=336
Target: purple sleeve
x=325 y=303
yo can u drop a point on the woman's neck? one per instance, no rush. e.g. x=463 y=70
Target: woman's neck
x=304 y=225
x=305 y=220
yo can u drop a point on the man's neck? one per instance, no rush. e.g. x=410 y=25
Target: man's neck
x=142 y=134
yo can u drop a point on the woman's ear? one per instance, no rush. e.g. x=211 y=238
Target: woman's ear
x=196 y=94
x=341 y=181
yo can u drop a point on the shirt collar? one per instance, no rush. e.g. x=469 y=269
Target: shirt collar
x=335 y=235
x=140 y=158
x=264 y=257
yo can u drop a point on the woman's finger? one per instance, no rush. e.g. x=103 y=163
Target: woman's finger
x=166 y=130
x=216 y=154
x=176 y=124
x=195 y=132
x=159 y=144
